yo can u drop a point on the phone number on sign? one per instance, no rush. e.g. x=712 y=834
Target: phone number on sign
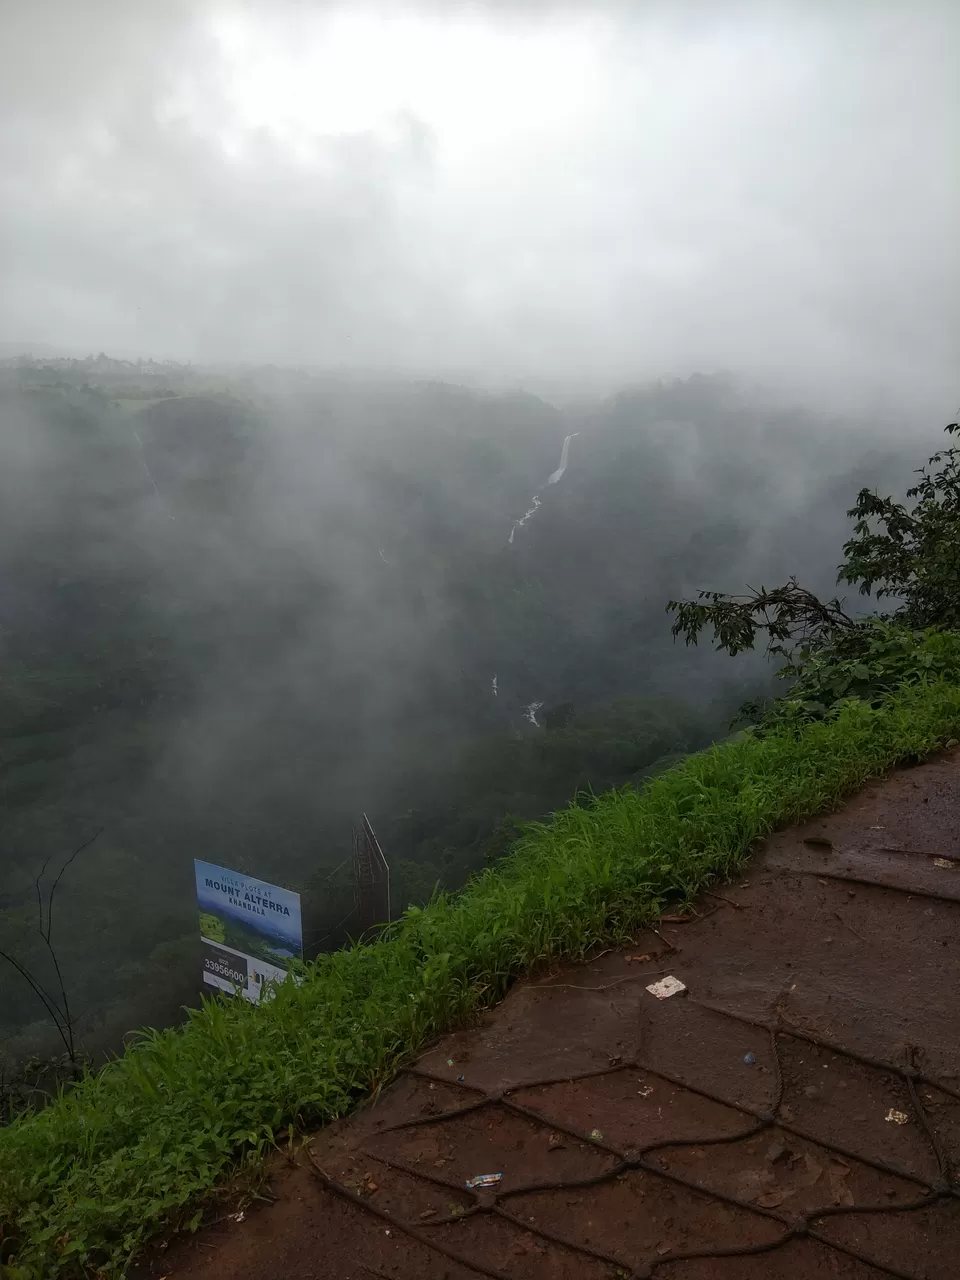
x=224 y=970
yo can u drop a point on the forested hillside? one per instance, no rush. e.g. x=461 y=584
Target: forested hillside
x=235 y=613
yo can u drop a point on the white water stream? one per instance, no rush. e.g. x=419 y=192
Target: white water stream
x=531 y=709
x=564 y=456
x=557 y=475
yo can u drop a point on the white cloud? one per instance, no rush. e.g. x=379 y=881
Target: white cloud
x=515 y=189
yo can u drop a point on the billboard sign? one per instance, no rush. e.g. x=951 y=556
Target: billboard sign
x=251 y=930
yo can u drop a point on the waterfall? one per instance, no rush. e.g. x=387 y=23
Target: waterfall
x=552 y=479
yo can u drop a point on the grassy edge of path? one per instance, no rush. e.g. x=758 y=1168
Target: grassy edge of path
x=138 y=1145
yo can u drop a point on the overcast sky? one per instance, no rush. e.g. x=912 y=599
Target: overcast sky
x=512 y=188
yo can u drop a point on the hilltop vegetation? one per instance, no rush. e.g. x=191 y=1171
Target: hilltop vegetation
x=910 y=555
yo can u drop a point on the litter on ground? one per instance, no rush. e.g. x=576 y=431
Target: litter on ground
x=482 y=1180
x=669 y=986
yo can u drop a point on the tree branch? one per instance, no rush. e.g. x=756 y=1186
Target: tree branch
x=53 y=889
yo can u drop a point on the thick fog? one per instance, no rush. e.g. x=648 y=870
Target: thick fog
x=549 y=194
x=497 y=327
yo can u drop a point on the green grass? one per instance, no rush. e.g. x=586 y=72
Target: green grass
x=86 y=1180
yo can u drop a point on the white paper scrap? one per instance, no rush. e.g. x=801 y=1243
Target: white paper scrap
x=670 y=986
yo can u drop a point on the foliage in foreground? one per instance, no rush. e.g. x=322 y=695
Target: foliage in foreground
x=86 y=1180
x=876 y=658
x=911 y=556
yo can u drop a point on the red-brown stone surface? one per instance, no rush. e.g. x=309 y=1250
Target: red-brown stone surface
x=794 y=1115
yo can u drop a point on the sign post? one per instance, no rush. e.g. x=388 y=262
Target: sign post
x=251 y=930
